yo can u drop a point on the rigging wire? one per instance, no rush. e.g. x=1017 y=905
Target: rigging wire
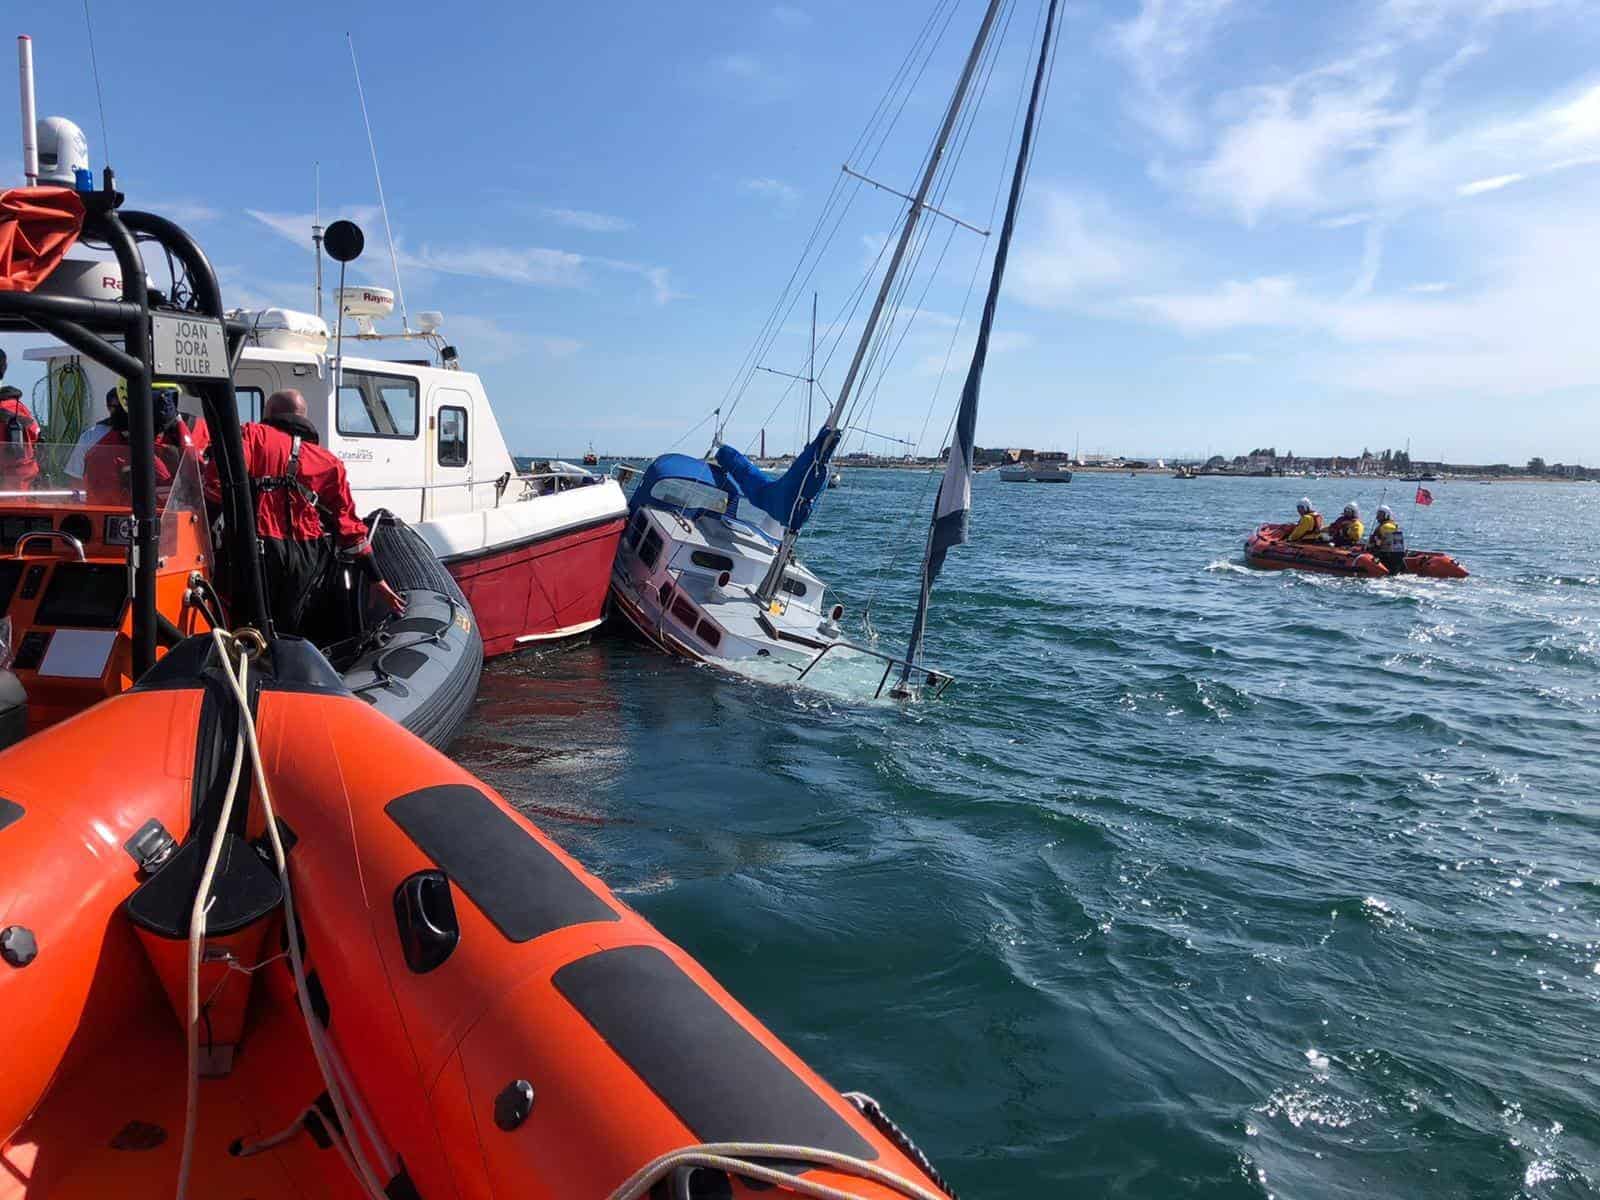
x=99 y=94
x=912 y=513
x=791 y=294
x=949 y=171
x=394 y=257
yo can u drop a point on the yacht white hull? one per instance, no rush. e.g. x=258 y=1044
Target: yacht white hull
x=687 y=587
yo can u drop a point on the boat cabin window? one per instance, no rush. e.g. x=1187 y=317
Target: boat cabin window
x=377 y=406
x=793 y=586
x=452 y=436
x=650 y=548
x=250 y=400
x=688 y=494
x=710 y=561
x=635 y=529
x=709 y=634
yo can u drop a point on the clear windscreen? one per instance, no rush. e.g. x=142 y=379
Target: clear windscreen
x=38 y=481
x=185 y=507
x=688 y=494
x=42 y=470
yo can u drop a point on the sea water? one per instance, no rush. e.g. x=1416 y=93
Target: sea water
x=1199 y=881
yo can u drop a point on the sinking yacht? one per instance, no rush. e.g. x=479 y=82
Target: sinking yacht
x=706 y=568
x=692 y=560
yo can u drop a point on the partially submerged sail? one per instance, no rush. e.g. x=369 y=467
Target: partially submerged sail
x=954 y=503
x=788 y=499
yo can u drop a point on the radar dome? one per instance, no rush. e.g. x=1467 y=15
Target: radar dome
x=62 y=151
x=366 y=305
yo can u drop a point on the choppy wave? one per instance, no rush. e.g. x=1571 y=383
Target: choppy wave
x=1200 y=881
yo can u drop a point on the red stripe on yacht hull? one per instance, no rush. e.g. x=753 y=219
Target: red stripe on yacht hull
x=545 y=588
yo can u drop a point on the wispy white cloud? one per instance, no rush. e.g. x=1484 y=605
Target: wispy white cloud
x=790 y=16
x=1345 y=220
x=785 y=195
x=1279 y=153
x=1232 y=358
x=740 y=66
x=1432 y=288
x=1492 y=184
x=296 y=227
x=947 y=360
x=536 y=266
x=1076 y=247
x=1523 y=330
x=589 y=222
x=1158 y=44
x=659 y=278
x=487 y=341
x=533 y=266
x=184 y=212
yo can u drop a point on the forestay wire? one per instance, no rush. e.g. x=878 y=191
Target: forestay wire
x=840 y=198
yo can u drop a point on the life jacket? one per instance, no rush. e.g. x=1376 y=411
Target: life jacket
x=19 y=433
x=1389 y=538
x=1346 y=531
x=1306 y=535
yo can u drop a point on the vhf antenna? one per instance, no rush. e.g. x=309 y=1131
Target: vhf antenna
x=394 y=258
x=316 y=227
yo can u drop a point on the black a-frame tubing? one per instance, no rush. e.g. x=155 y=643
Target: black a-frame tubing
x=146 y=546
x=221 y=409
x=83 y=324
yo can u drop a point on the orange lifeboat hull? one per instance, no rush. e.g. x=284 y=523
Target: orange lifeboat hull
x=500 y=1023
x=1268 y=549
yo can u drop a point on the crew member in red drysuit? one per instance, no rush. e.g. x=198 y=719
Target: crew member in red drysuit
x=305 y=515
x=19 y=434
x=106 y=465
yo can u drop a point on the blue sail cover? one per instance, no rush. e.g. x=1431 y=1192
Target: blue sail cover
x=789 y=498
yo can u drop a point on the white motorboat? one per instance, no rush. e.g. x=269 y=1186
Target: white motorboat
x=1036 y=472
x=531 y=551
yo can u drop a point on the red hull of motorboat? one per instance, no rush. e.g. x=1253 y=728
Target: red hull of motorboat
x=540 y=590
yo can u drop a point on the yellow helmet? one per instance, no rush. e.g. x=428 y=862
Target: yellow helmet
x=156 y=385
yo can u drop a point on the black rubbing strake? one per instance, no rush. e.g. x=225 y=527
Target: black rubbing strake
x=706 y=1067
x=518 y=884
x=10 y=812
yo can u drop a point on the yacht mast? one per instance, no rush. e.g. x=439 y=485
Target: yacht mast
x=811 y=363
x=780 y=560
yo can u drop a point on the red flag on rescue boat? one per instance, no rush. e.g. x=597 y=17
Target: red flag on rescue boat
x=1424 y=496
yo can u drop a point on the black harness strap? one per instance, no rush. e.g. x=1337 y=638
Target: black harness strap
x=290 y=483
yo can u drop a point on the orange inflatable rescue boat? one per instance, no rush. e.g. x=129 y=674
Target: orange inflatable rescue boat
x=395 y=986
x=259 y=941
x=1268 y=549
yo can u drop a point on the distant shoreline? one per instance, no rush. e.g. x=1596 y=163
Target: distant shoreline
x=925 y=465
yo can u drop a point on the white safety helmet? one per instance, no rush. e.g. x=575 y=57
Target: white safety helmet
x=1383 y=512
x=1350 y=510
x=1304 y=506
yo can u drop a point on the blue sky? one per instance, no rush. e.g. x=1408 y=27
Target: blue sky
x=1314 y=225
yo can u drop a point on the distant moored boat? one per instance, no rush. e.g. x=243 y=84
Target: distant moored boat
x=1051 y=472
